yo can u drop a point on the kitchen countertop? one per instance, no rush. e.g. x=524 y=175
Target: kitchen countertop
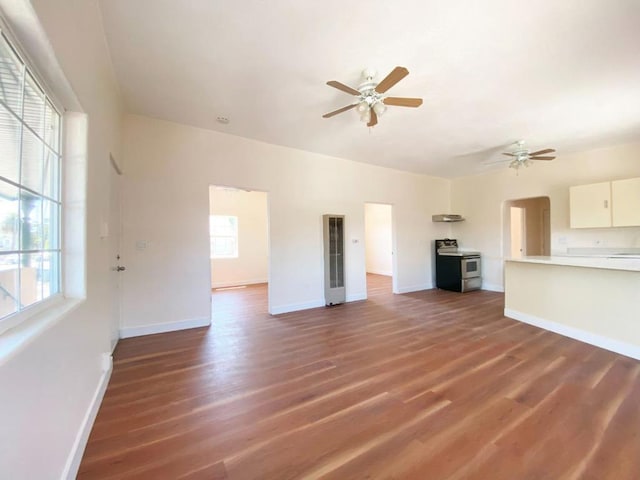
x=610 y=263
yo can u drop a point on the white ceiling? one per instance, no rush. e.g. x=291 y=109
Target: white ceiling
x=563 y=74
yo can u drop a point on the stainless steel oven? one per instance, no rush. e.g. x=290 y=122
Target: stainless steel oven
x=456 y=270
x=470 y=266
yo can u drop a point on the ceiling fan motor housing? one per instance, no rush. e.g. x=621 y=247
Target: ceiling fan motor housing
x=368 y=97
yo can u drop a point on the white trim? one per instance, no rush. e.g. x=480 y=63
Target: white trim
x=492 y=287
x=415 y=288
x=128 y=332
x=238 y=283
x=617 y=346
x=356 y=297
x=294 y=307
x=77 y=451
x=386 y=273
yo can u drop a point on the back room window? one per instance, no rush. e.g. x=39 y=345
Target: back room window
x=223 y=232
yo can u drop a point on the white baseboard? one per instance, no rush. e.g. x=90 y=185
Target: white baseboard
x=617 y=346
x=415 y=288
x=294 y=307
x=238 y=283
x=75 y=457
x=128 y=332
x=492 y=287
x=386 y=273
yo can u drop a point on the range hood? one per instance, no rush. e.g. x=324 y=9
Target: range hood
x=447 y=217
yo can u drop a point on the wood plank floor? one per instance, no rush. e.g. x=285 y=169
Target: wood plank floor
x=429 y=385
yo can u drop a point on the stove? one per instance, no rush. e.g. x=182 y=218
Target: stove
x=456 y=270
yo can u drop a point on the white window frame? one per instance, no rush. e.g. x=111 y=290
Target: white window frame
x=24 y=312
x=233 y=236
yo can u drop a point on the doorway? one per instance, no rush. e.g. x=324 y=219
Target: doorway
x=378 y=226
x=111 y=229
x=518 y=231
x=239 y=251
x=527 y=229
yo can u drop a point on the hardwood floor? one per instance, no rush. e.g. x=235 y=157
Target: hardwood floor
x=429 y=385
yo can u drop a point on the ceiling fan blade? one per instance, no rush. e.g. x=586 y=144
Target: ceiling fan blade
x=541 y=152
x=390 y=80
x=340 y=110
x=403 y=102
x=541 y=158
x=343 y=87
x=509 y=154
x=374 y=119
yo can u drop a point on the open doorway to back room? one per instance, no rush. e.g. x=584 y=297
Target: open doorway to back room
x=527 y=230
x=378 y=248
x=239 y=252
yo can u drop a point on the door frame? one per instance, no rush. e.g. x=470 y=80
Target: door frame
x=394 y=256
x=113 y=233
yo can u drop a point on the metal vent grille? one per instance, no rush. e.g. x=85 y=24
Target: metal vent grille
x=334 y=259
x=336 y=254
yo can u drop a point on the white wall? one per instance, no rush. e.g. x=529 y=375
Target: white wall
x=170 y=168
x=479 y=198
x=251 y=265
x=47 y=386
x=378 y=236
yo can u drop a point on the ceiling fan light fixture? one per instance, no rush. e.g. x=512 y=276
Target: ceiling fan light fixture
x=379 y=108
x=365 y=116
x=362 y=107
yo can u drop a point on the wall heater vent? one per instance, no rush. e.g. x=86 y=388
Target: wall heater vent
x=333 y=235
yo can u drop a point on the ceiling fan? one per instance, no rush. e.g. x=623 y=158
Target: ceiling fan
x=522 y=157
x=370 y=101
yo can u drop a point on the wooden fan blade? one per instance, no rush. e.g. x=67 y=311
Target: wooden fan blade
x=390 y=80
x=403 y=102
x=509 y=154
x=343 y=87
x=541 y=152
x=374 y=119
x=340 y=110
x=541 y=158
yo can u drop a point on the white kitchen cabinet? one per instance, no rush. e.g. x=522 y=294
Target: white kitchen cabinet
x=625 y=200
x=590 y=205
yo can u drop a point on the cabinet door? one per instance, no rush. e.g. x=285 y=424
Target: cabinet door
x=625 y=202
x=590 y=205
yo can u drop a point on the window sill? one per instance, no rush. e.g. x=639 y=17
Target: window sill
x=18 y=337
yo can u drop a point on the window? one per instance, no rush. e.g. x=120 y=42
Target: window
x=223 y=232
x=30 y=205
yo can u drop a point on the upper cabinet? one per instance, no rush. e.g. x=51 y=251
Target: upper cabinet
x=605 y=204
x=589 y=205
x=625 y=199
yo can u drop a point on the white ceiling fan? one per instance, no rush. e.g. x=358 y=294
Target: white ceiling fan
x=521 y=156
x=370 y=100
